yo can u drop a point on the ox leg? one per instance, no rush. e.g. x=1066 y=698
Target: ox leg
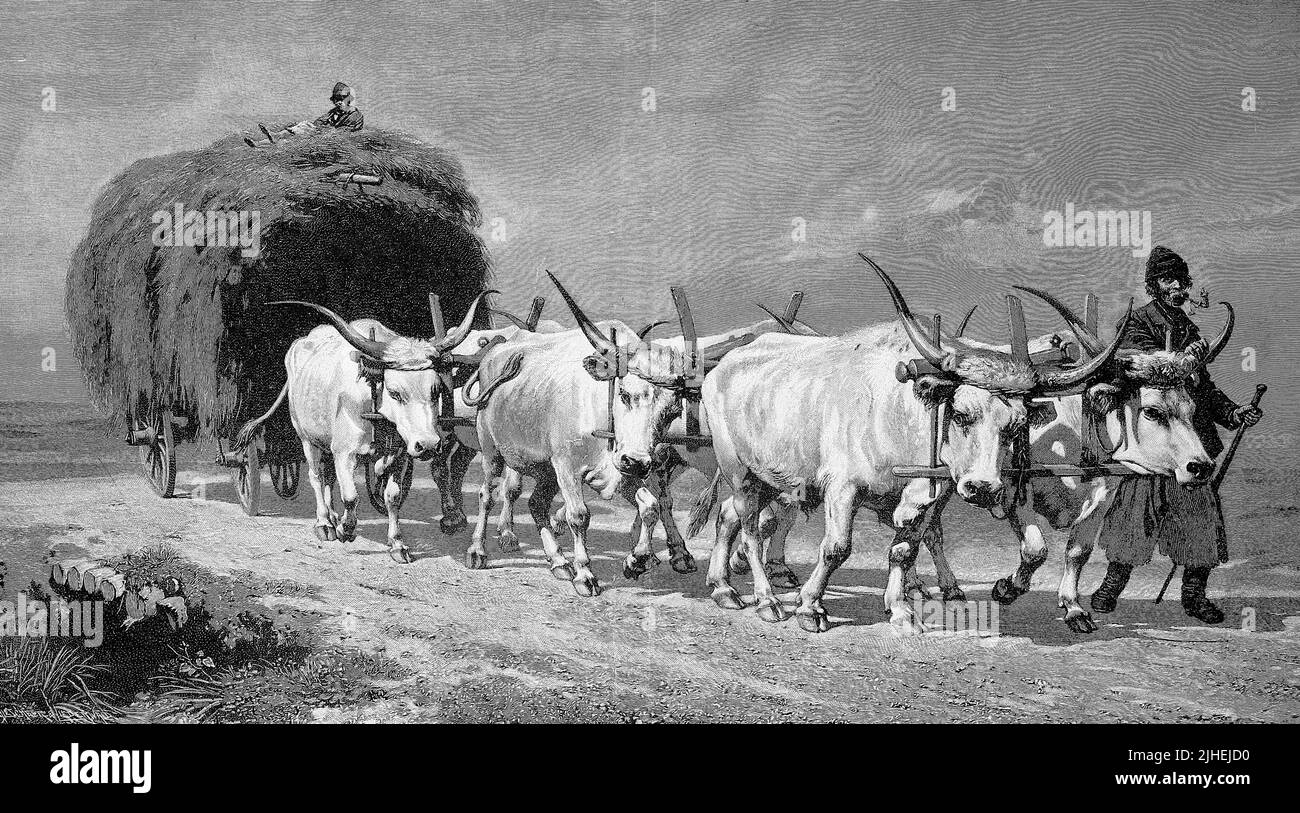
x=642 y=557
x=539 y=505
x=932 y=536
x=1033 y=552
x=512 y=485
x=450 y=474
x=737 y=561
x=840 y=506
x=909 y=519
x=493 y=464
x=678 y=556
x=575 y=511
x=392 y=501
x=344 y=465
x=320 y=489
x=1083 y=535
x=727 y=530
x=750 y=500
x=778 y=572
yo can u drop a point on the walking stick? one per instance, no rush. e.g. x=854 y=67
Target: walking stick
x=1260 y=389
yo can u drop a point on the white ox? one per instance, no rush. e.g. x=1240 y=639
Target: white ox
x=329 y=396
x=539 y=421
x=1148 y=425
x=828 y=418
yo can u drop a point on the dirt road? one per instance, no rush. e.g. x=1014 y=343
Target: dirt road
x=512 y=643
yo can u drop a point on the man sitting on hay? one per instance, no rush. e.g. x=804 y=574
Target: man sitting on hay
x=344 y=115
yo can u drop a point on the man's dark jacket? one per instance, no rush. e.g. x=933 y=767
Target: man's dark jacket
x=1146 y=331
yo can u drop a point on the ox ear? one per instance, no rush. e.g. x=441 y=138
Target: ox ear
x=601 y=366
x=933 y=389
x=1040 y=413
x=1103 y=398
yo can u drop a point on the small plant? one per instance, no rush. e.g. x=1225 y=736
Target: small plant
x=42 y=682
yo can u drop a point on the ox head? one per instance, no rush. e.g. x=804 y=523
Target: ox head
x=413 y=374
x=1146 y=393
x=987 y=394
x=650 y=380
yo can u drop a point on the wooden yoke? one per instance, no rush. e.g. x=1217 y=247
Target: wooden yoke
x=695 y=378
x=936 y=427
x=535 y=314
x=613 y=389
x=446 y=398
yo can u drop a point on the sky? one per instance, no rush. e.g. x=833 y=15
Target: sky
x=784 y=138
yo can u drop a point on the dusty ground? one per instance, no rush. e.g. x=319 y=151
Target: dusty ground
x=511 y=643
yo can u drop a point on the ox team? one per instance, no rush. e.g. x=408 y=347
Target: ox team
x=796 y=418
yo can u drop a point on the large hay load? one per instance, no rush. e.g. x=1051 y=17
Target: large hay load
x=183 y=326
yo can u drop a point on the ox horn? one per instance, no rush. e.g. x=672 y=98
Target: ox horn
x=1089 y=340
x=965 y=320
x=645 y=331
x=598 y=340
x=787 y=326
x=455 y=337
x=1070 y=377
x=519 y=323
x=371 y=348
x=1220 y=341
x=929 y=350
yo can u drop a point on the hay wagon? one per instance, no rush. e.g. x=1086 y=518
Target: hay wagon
x=172 y=335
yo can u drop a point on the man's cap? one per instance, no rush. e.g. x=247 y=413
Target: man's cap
x=341 y=91
x=1162 y=262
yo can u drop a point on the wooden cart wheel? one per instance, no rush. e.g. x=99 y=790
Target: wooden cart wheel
x=403 y=467
x=284 y=478
x=248 y=480
x=159 y=457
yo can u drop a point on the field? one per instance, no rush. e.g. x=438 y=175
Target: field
x=512 y=644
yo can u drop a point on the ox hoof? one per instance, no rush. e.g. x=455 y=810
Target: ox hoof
x=347 y=534
x=563 y=572
x=953 y=593
x=771 y=611
x=728 y=599
x=739 y=564
x=450 y=525
x=634 y=567
x=812 y=620
x=1079 y=620
x=683 y=563
x=781 y=575
x=400 y=554
x=587 y=587
x=474 y=560
x=905 y=624
x=326 y=533
x=1004 y=592
x=508 y=542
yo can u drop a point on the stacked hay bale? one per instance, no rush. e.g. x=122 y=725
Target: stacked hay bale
x=185 y=326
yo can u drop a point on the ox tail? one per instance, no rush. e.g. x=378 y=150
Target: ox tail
x=246 y=433
x=703 y=506
x=508 y=371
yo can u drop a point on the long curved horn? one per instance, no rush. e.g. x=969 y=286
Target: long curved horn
x=780 y=320
x=645 y=331
x=598 y=340
x=1089 y=340
x=455 y=337
x=371 y=348
x=519 y=323
x=1221 y=341
x=965 y=320
x=1067 y=378
x=928 y=349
